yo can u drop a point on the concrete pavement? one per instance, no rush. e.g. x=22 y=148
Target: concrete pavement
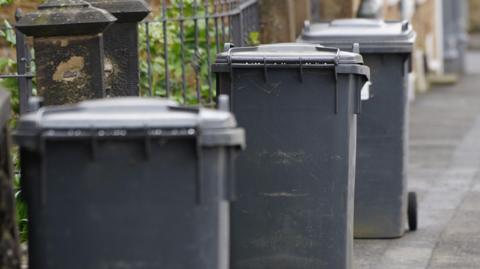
x=445 y=172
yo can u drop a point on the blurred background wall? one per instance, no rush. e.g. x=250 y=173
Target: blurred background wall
x=474 y=15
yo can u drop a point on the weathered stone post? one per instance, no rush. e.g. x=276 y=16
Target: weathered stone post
x=121 y=45
x=68 y=49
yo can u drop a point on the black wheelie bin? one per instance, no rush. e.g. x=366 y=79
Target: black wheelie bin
x=128 y=183
x=295 y=183
x=382 y=204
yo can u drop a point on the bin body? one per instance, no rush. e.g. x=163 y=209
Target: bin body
x=381 y=180
x=5 y=113
x=295 y=182
x=455 y=37
x=127 y=183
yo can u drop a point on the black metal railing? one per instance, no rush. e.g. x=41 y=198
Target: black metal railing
x=181 y=43
x=23 y=64
x=177 y=47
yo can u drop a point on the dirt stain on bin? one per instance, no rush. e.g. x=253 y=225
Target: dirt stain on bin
x=286 y=158
x=281 y=157
x=284 y=194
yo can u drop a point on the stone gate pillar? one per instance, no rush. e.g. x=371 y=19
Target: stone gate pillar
x=121 y=45
x=68 y=48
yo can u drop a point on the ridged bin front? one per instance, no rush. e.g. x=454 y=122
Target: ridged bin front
x=128 y=183
x=381 y=176
x=295 y=183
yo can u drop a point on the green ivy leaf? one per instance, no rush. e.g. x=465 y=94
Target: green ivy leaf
x=9 y=33
x=5 y=2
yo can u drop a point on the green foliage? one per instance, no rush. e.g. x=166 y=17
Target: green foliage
x=8 y=66
x=10 y=84
x=10 y=2
x=8 y=33
x=197 y=54
x=5 y=2
x=22 y=217
x=254 y=38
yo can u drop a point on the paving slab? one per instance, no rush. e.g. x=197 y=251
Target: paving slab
x=444 y=169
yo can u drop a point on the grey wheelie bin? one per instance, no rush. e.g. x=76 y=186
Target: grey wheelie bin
x=381 y=198
x=9 y=239
x=295 y=183
x=128 y=183
x=455 y=37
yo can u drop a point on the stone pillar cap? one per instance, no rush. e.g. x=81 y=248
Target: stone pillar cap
x=65 y=18
x=124 y=10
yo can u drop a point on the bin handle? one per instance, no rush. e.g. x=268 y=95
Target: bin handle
x=231 y=183
x=43 y=170
x=363 y=94
x=199 y=178
x=336 y=90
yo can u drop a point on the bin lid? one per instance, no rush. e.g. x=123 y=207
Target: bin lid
x=131 y=116
x=373 y=35
x=5 y=108
x=289 y=53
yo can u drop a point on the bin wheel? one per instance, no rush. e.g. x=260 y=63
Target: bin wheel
x=412 y=211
